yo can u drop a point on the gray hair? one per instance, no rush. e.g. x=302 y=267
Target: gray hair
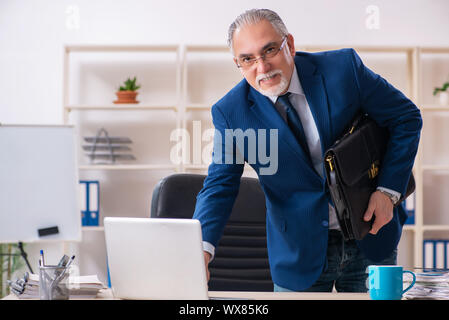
x=254 y=16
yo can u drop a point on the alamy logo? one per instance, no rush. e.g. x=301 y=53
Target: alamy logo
x=372 y=21
x=233 y=146
x=72 y=21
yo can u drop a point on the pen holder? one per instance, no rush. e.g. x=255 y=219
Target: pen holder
x=53 y=283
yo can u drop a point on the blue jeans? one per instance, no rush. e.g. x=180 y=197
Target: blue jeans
x=346 y=267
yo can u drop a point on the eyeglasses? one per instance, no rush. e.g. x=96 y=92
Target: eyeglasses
x=269 y=53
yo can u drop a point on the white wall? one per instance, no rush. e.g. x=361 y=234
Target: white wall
x=32 y=33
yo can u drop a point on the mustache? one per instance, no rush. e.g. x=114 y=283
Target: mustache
x=268 y=75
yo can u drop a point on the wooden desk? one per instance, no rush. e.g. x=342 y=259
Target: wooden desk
x=290 y=295
x=107 y=295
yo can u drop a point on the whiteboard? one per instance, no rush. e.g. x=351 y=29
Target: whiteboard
x=38 y=183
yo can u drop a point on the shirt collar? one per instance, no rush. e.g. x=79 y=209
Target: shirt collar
x=295 y=86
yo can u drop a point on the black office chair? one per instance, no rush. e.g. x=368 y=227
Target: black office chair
x=241 y=258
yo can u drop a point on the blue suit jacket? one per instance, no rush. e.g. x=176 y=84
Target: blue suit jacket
x=337 y=85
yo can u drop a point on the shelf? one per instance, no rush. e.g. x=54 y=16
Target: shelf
x=380 y=49
x=198 y=106
x=434 y=107
x=128 y=167
x=247 y=168
x=208 y=48
x=220 y=48
x=120 y=48
x=92 y=228
x=196 y=166
x=429 y=227
x=120 y=107
x=435 y=50
x=435 y=167
x=439 y=227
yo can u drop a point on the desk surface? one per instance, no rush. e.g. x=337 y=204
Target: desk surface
x=107 y=295
x=290 y=295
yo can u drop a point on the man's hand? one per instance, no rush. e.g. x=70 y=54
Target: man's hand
x=381 y=206
x=207 y=257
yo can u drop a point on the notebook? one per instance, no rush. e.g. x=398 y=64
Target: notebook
x=156 y=258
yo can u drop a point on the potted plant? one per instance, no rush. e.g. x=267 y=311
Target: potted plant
x=443 y=94
x=127 y=93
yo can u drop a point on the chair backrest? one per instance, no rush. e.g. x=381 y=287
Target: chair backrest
x=241 y=257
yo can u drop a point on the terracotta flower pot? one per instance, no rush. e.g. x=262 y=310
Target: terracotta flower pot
x=126 y=97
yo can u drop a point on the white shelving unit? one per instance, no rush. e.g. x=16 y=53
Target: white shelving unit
x=141 y=175
x=203 y=74
x=432 y=68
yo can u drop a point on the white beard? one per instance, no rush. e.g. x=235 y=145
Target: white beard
x=275 y=90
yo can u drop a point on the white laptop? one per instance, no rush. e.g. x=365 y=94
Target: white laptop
x=155 y=258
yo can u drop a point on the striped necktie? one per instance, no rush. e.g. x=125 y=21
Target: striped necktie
x=293 y=121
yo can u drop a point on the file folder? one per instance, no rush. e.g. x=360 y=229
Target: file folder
x=447 y=255
x=93 y=203
x=83 y=203
x=428 y=254
x=90 y=205
x=409 y=206
x=435 y=254
x=439 y=256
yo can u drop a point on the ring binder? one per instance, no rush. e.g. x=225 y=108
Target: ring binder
x=90 y=202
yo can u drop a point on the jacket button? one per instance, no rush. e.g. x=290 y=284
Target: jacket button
x=325 y=223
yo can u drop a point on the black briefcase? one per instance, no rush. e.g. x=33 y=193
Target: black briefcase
x=352 y=166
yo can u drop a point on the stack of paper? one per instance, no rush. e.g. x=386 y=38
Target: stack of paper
x=81 y=287
x=429 y=285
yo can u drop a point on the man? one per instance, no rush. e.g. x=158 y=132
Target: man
x=309 y=98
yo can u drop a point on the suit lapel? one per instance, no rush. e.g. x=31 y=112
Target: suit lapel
x=315 y=92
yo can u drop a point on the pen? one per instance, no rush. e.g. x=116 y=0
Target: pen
x=42 y=261
x=70 y=262
x=67 y=266
x=57 y=279
x=63 y=261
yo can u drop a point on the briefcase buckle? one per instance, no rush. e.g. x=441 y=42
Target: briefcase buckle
x=373 y=170
x=329 y=161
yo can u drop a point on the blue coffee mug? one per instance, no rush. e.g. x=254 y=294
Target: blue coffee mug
x=385 y=282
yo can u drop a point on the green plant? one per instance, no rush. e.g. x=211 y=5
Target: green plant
x=443 y=88
x=10 y=262
x=129 y=85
